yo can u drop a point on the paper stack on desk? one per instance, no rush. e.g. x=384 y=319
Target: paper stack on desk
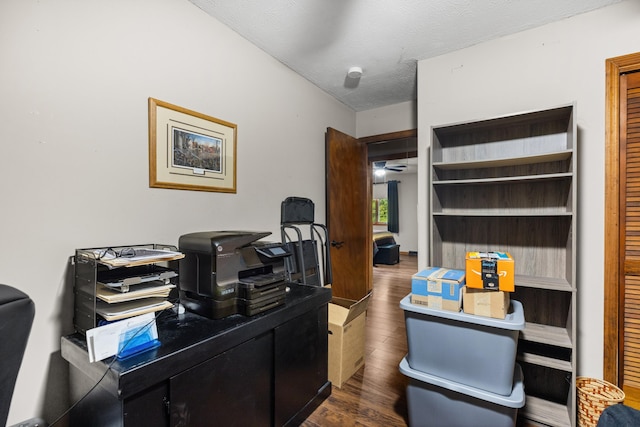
x=137 y=288
x=122 y=338
x=145 y=290
x=122 y=310
x=136 y=256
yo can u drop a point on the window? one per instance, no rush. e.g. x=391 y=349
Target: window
x=379 y=211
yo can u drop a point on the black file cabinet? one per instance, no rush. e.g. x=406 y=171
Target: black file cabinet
x=265 y=370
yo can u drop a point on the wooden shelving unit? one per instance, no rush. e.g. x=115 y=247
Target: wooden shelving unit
x=509 y=184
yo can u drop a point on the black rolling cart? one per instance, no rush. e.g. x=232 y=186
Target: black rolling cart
x=310 y=263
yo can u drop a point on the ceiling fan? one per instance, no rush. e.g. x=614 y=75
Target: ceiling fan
x=382 y=166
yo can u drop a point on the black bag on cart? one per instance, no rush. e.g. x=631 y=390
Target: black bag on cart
x=297 y=210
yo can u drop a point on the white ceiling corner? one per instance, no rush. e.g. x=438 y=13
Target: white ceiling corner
x=322 y=39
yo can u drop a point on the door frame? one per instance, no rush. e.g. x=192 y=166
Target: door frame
x=404 y=134
x=612 y=296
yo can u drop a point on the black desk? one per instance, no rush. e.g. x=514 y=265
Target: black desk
x=265 y=370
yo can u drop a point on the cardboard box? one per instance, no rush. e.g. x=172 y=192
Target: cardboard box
x=484 y=302
x=438 y=288
x=490 y=270
x=346 y=338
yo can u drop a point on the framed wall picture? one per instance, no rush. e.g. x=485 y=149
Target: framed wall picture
x=189 y=150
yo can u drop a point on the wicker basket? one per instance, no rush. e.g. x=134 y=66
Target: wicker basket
x=593 y=397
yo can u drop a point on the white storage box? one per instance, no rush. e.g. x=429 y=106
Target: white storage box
x=473 y=350
x=435 y=402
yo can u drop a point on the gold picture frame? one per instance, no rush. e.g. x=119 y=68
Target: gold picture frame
x=189 y=150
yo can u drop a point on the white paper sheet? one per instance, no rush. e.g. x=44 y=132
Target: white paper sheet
x=104 y=341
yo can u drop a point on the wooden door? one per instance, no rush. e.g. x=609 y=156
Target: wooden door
x=630 y=236
x=622 y=227
x=348 y=187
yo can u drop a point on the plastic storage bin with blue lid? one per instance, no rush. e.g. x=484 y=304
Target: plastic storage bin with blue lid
x=437 y=402
x=473 y=350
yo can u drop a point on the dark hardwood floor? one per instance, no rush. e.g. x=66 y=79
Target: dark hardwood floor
x=375 y=395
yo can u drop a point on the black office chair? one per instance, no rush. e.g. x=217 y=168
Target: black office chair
x=16 y=317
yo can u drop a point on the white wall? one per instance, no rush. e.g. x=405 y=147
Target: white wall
x=408 y=197
x=536 y=69
x=74 y=84
x=391 y=118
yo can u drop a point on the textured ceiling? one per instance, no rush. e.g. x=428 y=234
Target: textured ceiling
x=322 y=39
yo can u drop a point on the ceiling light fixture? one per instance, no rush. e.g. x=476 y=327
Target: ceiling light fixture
x=354 y=72
x=379 y=172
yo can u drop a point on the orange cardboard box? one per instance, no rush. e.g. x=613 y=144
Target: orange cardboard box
x=490 y=270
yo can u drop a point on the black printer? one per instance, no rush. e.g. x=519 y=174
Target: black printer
x=230 y=272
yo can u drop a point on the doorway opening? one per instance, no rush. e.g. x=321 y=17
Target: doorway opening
x=394 y=157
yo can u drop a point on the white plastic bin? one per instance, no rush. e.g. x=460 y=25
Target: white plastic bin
x=473 y=350
x=435 y=402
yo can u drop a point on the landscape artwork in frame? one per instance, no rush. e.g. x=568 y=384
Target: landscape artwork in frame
x=189 y=150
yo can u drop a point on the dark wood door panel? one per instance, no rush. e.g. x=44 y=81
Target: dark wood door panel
x=348 y=215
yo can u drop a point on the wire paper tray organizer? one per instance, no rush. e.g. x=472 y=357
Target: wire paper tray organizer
x=111 y=283
x=310 y=263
